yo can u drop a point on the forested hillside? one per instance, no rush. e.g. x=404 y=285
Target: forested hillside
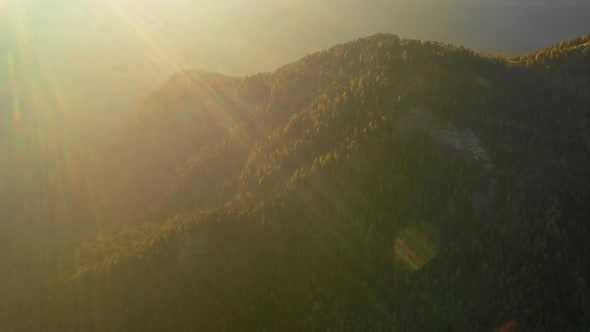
x=384 y=184
x=566 y=65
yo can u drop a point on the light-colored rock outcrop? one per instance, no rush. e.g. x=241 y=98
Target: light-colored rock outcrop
x=445 y=134
x=465 y=142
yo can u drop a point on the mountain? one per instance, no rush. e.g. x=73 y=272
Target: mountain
x=100 y=57
x=566 y=64
x=381 y=184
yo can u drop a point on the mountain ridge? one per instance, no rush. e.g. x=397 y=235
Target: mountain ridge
x=286 y=194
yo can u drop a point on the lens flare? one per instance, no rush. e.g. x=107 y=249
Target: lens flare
x=413 y=249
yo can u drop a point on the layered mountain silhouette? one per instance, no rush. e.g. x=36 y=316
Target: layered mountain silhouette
x=382 y=184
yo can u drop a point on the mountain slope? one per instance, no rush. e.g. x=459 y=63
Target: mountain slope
x=380 y=184
x=566 y=64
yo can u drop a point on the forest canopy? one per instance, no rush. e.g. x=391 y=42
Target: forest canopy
x=382 y=184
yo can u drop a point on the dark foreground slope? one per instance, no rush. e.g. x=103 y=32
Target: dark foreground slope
x=382 y=184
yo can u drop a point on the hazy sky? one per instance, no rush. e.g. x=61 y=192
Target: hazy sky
x=247 y=36
x=103 y=54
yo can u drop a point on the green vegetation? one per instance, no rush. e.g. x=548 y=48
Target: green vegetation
x=383 y=184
